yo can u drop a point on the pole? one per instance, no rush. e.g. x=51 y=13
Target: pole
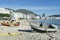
x=46 y=26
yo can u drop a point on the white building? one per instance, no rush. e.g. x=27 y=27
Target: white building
x=4 y=11
x=57 y=17
x=37 y=17
x=22 y=15
x=53 y=18
x=17 y=15
x=30 y=16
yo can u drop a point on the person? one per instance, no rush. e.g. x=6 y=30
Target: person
x=41 y=24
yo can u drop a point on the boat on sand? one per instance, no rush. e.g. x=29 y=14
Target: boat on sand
x=50 y=28
x=12 y=23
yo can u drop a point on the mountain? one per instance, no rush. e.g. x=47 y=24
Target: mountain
x=10 y=9
x=25 y=11
x=54 y=16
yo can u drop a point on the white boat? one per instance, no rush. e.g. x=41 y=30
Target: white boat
x=45 y=28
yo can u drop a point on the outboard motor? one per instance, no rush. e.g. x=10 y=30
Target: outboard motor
x=51 y=26
x=41 y=24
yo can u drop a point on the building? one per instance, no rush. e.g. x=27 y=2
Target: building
x=4 y=11
x=22 y=15
x=15 y=15
x=37 y=17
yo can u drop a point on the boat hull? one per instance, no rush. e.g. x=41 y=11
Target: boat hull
x=43 y=29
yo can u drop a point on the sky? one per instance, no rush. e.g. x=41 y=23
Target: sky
x=49 y=7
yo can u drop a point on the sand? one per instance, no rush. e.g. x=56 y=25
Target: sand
x=31 y=36
x=27 y=35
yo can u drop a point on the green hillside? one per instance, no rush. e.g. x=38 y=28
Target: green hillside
x=25 y=11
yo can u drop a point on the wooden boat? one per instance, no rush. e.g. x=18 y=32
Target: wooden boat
x=4 y=24
x=7 y=24
x=50 y=28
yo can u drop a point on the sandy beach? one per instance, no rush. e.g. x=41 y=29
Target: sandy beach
x=33 y=35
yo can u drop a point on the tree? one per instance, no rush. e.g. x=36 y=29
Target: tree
x=4 y=15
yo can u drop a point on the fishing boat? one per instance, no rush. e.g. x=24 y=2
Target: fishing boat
x=50 y=28
x=12 y=23
x=46 y=28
